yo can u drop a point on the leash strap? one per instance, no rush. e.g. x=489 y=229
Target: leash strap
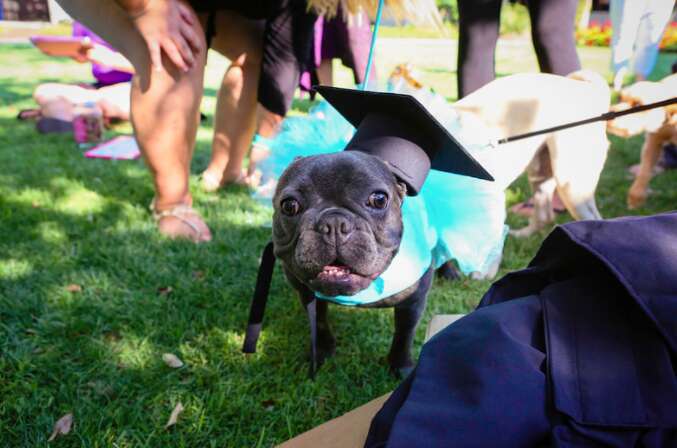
x=604 y=117
x=370 y=58
x=258 y=306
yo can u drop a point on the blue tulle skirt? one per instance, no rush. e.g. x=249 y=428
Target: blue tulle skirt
x=458 y=218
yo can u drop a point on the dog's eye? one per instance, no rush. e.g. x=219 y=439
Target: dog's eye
x=290 y=207
x=378 y=199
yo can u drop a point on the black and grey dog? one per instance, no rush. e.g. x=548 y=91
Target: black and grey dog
x=337 y=226
x=338 y=221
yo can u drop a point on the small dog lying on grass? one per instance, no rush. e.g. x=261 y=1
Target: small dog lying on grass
x=658 y=125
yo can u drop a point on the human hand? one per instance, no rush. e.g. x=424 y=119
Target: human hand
x=168 y=26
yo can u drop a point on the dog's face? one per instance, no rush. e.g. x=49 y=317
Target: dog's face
x=338 y=221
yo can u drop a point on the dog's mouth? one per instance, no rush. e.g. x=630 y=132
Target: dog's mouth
x=338 y=279
x=334 y=273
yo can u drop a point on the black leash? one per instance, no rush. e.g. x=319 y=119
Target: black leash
x=604 y=117
x=258 y=306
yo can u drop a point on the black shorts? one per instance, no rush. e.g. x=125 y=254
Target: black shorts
x=251 y=9
x=287 y=44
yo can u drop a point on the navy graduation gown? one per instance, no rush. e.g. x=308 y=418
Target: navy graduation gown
x=577 y=350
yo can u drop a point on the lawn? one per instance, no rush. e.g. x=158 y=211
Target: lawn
x=91 y=297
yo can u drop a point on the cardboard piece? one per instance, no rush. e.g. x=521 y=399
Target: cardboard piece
x=350 y=430
x=67 y=46
x=123 y=147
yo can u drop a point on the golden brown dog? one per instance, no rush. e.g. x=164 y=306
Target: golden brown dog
x=658 y=125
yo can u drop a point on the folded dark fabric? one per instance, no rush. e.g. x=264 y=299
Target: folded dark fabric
x=577 y=350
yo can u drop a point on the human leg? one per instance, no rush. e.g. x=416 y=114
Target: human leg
x=325 y=72
x=239 y=39
x=478 y=34
x=650 y=31
x=552 y=32
x=164 y=112
x=625 y=16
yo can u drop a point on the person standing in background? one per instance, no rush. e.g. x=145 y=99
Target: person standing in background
x=638 y=26
x=166 y=41
x=552 y=33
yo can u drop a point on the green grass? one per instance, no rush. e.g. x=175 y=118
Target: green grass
x=97 y=353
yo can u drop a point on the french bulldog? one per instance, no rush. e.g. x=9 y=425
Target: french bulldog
x=337 y=225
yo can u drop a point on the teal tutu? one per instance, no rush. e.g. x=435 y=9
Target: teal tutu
x=453 y=218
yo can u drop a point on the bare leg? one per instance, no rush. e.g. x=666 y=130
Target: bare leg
x=268 y=124
x=164 y=112
x=240 y=40
x=325 y=73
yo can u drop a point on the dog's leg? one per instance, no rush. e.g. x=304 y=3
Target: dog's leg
x=326 y=342
x=407 y=315
x=448 y=271
x=651 y=152
x=543 y=187
x=578 y=157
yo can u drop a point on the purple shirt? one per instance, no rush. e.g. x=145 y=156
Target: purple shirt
x=104 y=75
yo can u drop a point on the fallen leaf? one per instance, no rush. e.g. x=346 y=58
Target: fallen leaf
x=164 y=290
x=74 y=288
x=112 y=336
x=172 y=360
x=175 y=415
x=268 y=405
x=62 y=426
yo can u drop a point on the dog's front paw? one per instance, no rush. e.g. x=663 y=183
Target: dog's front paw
x=400 y=363
x=326 y=346
x=401 y=372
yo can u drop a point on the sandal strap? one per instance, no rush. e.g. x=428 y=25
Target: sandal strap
x=179 y=212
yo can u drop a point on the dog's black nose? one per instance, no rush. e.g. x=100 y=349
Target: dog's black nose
x=335 y=227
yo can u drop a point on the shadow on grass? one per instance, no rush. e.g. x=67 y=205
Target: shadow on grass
x=97 y=351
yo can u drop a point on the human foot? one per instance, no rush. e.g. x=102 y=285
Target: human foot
x=181 y=221
x=211 y=181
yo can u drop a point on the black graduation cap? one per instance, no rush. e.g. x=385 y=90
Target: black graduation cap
x=397 y=128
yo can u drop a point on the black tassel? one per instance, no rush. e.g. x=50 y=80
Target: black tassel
x=259 y=299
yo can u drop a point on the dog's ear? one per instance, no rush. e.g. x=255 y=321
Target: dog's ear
x=401 y=186
x=401 y=189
